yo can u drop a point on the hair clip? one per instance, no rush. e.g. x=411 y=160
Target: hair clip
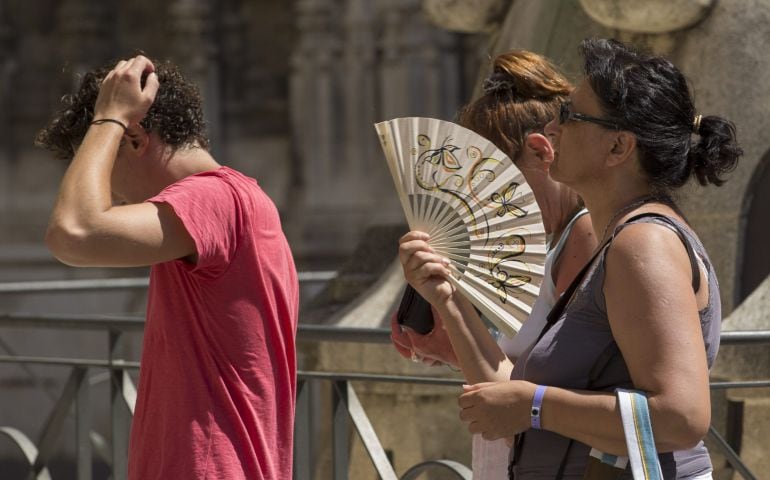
x=497 y=82
x=696 y=124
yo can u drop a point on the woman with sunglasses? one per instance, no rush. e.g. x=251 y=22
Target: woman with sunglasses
x=645 y=315
x=520 y=97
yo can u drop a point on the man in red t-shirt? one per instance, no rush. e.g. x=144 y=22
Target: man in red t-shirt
x=217 y=383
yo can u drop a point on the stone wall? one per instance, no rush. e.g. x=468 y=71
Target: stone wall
x=291 y=92
x=236 y=50
x=725 y=60
x=720 y=47
x=239 y=53
x=357 y=62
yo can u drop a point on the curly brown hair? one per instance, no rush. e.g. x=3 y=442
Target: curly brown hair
x=176 y=115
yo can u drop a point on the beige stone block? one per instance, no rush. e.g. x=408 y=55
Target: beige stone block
x=754 y=408
x=471 y=16
x=652 y=16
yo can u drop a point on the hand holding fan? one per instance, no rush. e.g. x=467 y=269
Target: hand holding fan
x=477 y=208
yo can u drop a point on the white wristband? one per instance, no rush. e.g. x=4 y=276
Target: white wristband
x=537 y=406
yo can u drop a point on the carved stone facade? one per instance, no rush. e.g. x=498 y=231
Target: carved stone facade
x=719 y=46
x=238 y=51
x=45 y=46
x=725 y=75
x=358 y=62
x=651 y=16
x=291 y=92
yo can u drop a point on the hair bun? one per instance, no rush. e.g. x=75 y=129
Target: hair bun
x=498 y=82
x=716 y=152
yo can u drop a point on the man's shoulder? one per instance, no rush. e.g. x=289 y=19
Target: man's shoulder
x=216 y=182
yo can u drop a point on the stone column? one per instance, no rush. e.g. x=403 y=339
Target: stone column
x=7 y=64
x=360 y=87
x=235 y=95
x=420 y=73
x=7 y=68
x=256 y=40
x=316 y=95
x=194 y=45
x=391 y=63
x=86 y=35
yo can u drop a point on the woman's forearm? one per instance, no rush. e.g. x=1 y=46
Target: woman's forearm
x=480 y=357
x=594 y=418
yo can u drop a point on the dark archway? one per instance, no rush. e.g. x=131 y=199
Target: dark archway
x=754 y=257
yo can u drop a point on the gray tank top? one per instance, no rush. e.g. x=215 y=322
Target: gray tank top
x=566 y=354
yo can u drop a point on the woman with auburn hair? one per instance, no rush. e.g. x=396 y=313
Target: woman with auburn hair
x=645 y=314
x=521 y=96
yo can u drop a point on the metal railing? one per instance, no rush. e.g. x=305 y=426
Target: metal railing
x=347 y=410
x=346 y=406
x=91 y=284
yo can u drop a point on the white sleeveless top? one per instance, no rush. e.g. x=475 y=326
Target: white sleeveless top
x=546 y=299
x=490 y=459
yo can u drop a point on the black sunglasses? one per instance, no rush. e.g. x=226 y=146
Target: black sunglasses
x=566 y=114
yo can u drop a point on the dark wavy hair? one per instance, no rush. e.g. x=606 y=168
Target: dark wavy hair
x=176 y=115
x=648 y=96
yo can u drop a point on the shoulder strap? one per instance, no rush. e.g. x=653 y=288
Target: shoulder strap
x=556 y=249
x=561 y=303
x=566 y=297
x=685 y=241
x=612 y=349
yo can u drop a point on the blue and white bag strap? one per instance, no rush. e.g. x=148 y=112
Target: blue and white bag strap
x=638 y=431
x=614 y=460
x=637 y=428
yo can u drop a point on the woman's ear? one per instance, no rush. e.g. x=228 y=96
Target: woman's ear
x=136 y=139
x=622 y=149
x=538 y=145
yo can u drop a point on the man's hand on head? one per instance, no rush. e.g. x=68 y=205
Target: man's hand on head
x=122 y=96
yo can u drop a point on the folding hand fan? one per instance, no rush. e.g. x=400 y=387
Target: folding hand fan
x=477 y=208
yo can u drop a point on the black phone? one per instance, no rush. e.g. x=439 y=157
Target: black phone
x=415 y=312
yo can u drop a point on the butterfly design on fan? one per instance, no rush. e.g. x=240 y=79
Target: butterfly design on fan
x=477 y=208
x=443 y=155
x=507 y=205
x=502 y=279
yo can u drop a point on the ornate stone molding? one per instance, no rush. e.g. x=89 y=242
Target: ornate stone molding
x=360 y=84
x=650 y=16
x=470 y=16
x=315 y=95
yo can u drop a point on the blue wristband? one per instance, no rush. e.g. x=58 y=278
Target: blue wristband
x=537 y=406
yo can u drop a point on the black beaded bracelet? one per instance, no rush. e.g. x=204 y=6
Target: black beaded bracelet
x=110 y=120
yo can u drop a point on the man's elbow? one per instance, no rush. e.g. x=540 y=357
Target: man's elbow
x=67 y=243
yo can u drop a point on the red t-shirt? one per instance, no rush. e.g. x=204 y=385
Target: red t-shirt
x=217 y=383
